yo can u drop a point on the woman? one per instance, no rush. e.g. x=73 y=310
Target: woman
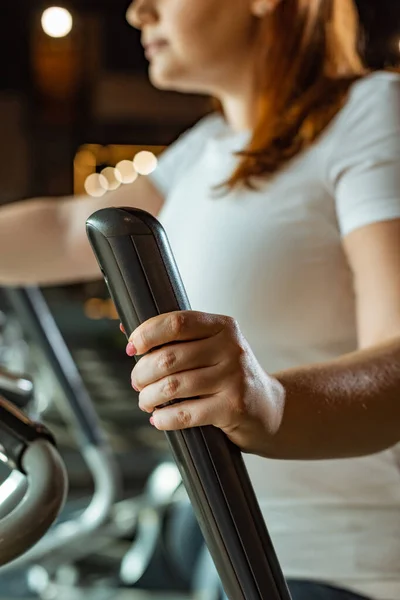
x=295 y=241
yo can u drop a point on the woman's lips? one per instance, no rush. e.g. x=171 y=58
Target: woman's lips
x=154 y=48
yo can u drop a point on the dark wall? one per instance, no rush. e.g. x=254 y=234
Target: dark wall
x=121 y=48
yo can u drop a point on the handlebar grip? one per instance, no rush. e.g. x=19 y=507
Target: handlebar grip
x=137 y=263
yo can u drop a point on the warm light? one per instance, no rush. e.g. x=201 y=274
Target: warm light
x=96 y=185
x=145 y=162
x=95 y=309
x=85 y=159
x=57 y=22
x=125 y=172
x=110 y=174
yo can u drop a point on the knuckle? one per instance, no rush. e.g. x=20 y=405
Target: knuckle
x=232 y=324
x=135 y=379
x=166 y=360
x=177 y=323
x=240 y=348
x=184 y=418
x=236 y=359
x=171 y=387
x=143 y=337
x=142 y=403
x=235 y=335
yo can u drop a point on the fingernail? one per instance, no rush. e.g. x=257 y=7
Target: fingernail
x=151 y=421
x=121 y=328
x=134 y=387
x=130 y=349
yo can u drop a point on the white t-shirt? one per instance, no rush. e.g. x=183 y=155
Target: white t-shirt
x=273 y=259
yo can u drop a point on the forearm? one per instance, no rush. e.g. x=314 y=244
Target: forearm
x=34 y=247
x=349 y=407
x=44 y=241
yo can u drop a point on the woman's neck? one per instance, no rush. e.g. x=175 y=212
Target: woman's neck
x=239 y=102
x=238 y=113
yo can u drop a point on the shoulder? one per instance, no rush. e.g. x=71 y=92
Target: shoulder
x=363 y=153
x=373 y=99
x=378 y=83
x=369 y=119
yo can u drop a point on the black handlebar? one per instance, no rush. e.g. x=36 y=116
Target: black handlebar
x=134 y=255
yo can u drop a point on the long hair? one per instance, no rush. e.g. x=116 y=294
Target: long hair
x=307 y=59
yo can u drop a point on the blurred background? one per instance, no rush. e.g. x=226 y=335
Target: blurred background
x=78 y=115
x=74 y=90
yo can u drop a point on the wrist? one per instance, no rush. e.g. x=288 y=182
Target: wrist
x=275 y=399
x=263 y=428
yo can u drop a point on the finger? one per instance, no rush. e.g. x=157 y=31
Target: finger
x=174 y=327
x=122 y=328
x=175 y=358
x=189 y=384
x=191 y=413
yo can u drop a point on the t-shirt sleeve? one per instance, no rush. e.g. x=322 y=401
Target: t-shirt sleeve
x=364 y=165
x=181 y=154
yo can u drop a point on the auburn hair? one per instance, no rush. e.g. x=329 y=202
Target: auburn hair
x=307 y=59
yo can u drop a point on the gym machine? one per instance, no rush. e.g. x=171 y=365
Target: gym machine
x=136 y=260
x=133 y=252
x=33 y=495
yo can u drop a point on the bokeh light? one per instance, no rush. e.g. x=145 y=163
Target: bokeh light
x=84 y=159
x=125 y=171
x=96 y=185
x=145 y=162
x=110 y=174
x=95 y=309
x=57 y=22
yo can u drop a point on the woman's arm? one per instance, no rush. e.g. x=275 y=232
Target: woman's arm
x=373 y=253
x=352 y=406
x=339 y=409
x=43 y=241
x=347 y=407
x=342 y=408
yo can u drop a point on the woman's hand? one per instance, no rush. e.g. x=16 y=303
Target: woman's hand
x=205 y=360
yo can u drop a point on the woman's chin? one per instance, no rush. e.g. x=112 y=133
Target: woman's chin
x=168 y=80
x=159 y=80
